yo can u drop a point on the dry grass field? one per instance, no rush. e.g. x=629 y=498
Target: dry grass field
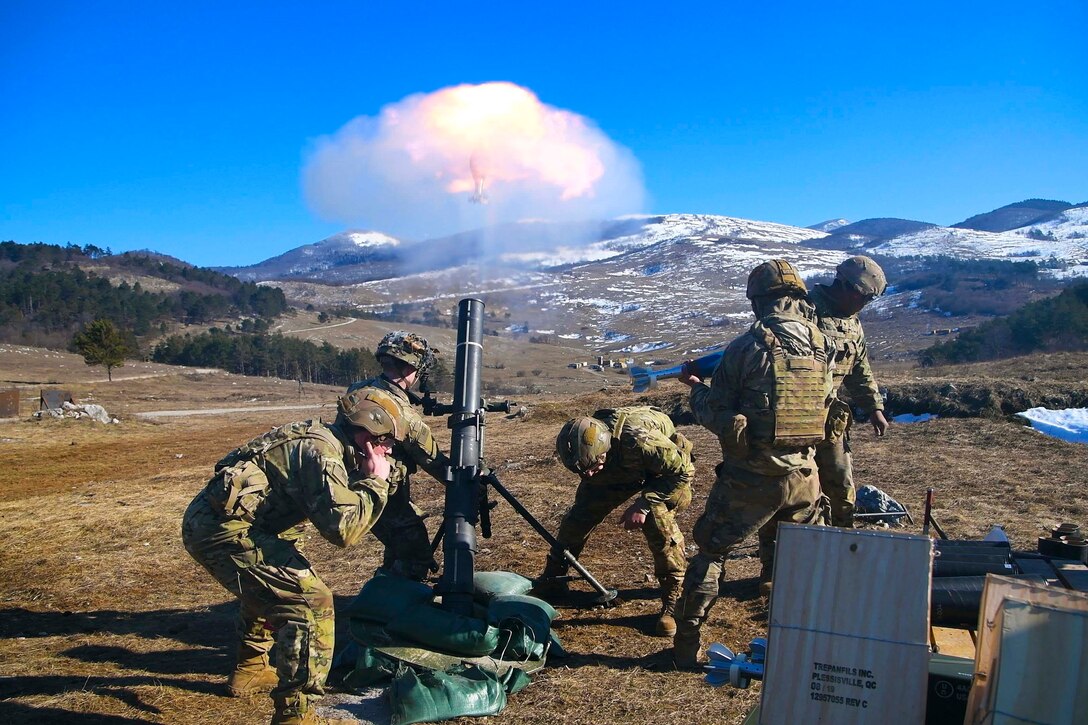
x=105 y=619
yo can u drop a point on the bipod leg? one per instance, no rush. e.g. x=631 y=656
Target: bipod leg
x=928 y=519
x=604 y=595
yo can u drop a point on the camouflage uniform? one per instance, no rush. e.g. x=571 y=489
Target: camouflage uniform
x=243 y=528
x=401 y=528
x=765 y=476
x=648 y=457
x=853 y=372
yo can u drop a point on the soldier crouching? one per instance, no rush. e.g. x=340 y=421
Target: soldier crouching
x=243 y=526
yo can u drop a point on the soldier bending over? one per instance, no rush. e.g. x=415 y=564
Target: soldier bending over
x=618 y=453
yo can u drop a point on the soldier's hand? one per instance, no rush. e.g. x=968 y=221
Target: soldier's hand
x=880 y=423
x=687 y=374
x=633 y=518
x=374 y=462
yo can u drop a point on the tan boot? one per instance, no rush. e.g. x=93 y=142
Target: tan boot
x=251 y=676
x=666 y=625
x=666 y=621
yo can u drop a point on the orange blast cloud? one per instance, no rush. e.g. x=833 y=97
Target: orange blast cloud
x=411 y=170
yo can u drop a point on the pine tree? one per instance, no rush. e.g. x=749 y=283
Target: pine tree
x=100 y=343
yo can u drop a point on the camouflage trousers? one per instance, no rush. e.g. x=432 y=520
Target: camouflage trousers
x=404 y=535
x=593 y=504
x=281 y=599
x=837 y=479
x=740 y=504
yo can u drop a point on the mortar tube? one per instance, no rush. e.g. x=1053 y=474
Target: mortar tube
x=460 y=511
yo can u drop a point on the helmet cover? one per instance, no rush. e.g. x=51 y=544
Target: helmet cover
x=583 y=443
x=776 y=278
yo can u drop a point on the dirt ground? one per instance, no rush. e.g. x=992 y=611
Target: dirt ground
x=105 y=619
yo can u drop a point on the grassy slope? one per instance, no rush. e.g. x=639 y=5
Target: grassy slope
x=104 y=618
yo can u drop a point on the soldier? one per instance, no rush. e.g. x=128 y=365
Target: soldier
x=858 y=281
x=618 y=453
x=243 y=527
x=404 y=356
x=767 y=403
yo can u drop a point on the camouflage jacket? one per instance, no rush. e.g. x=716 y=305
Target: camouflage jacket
x=272 y=485
x=418 y=449
x=852 y=369
x=744 y=380
x=647 y=453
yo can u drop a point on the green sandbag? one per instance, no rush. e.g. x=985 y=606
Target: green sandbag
x=437 y=696
x=371 y=667
x=371 y=634
x=525 y=626
x=515 y=680
x=385 y=596
x=515 y=604
x=486 y=585
x=444 y=631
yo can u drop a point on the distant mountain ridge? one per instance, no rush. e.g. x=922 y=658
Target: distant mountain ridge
x=356 y=257
x=373 y=251
x=1014 y=216
x=1058 y=231
x=829 y=226
x=869 y=232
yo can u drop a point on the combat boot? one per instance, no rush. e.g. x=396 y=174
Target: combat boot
x=686 y=649
x=666 y=621
x=666 y=624
x=252 y=674
x=765 y=583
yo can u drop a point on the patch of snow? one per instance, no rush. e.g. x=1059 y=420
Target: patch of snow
x=368 y=239
x=646 y=347
x=1070 y=424
x=911 y=418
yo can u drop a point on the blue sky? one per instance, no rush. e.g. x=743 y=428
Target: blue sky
x=183 y=128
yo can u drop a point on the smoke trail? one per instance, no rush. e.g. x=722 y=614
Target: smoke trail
x=413 y=170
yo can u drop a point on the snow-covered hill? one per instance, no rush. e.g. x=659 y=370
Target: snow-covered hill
x=640 y=232
x=375 y=250
x=1063 y=237
x=651 y=282
x=667 y=285
x=830 y=225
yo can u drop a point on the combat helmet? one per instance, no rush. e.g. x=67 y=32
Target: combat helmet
x=371 y=409
x=583 y=443
x=775 y=278
x=407 y=347
x=863 y=274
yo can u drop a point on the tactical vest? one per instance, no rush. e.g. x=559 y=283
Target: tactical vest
x=796 y=411
x=845 y=334
x=240 y=484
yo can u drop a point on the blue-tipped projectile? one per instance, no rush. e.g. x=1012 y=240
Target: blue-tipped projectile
x=737 y=669
x=642 y=379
